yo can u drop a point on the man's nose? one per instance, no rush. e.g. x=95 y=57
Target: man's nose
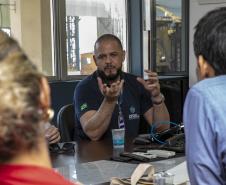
x=108 y=59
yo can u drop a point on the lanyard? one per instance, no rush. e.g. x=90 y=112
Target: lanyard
x=121 y=121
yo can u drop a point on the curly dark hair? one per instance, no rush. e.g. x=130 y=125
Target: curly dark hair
x=210 y=39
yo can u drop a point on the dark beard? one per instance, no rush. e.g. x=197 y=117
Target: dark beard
x=110 y=78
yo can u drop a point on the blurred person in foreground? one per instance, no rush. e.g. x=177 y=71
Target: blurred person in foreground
x=110 y=98
x=8 y=46
x=205 y=106
x=24 y=111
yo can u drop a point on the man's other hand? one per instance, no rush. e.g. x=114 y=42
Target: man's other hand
x=151 y=84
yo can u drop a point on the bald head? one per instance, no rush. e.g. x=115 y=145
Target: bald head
x=105 y=38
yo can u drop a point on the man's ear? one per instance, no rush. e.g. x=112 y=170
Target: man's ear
x=205 y=69
x=94 y=58
x=44 y=93
x=123 y=55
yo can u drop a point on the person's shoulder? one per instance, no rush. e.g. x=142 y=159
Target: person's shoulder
x=87 y=81
x=133 y=84
x=210 y=84
x=130 y=78
x=198 y=89
x=209 y=90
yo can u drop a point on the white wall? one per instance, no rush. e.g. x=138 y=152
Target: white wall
x=196 y=12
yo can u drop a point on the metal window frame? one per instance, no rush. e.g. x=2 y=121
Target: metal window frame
x=54 y=18
x=134 y=39
x=184 y=40
x=59 y=13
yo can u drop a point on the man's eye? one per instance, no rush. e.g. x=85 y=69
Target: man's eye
x=114 y=54
x=101 y=57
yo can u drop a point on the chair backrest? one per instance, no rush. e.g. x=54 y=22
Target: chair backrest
x=66 y=123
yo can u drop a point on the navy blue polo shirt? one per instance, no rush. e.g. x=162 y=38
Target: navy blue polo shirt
x=135 y=101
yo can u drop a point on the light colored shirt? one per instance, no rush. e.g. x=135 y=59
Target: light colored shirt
x=205 y=131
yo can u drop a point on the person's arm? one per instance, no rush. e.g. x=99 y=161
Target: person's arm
x=159 y=112
x=205 y=143
x=95 y=123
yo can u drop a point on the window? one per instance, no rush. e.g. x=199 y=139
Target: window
x=168 y=36
x=164 y=36
x=30 y=22
x=86 y=20
x=5 y=16
x=59 y=35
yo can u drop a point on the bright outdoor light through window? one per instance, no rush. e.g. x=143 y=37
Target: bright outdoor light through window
x=86 y=20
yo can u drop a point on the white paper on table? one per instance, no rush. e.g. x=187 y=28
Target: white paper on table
x=180 y=173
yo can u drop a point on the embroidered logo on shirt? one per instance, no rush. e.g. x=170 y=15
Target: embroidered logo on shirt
x=83 y=106
x=134 y=116
x=132 y=109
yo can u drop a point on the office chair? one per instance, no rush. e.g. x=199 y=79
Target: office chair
x=66 y=123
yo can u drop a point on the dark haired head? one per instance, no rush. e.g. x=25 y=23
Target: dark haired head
x=210 y=39
x=106 y=37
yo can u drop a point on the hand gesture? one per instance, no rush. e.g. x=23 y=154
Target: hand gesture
x=112 y=92
x=52 y=134
x=151 y=84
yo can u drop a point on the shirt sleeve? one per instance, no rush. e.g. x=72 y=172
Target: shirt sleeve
x=201 y=140
x=86 y=99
